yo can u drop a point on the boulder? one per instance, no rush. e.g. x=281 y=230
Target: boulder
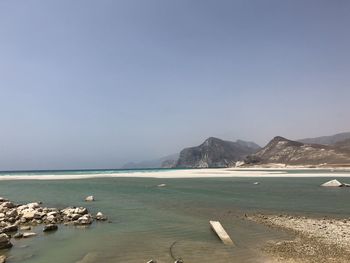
x=80 y=210
x=89 y=198
x=101 y=217
x=2 y=259
x=2 y=199
x=10 y=228
x=8 y=204
x=28 y=214
x=5 y=241
x=332 y=183
x=33 y=205
x=50 y=227
x=84 y=220
x=12 y=213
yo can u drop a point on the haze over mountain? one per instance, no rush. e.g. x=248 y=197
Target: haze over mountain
x=327 y=140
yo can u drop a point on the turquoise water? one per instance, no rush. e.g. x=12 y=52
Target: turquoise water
x=146 y=220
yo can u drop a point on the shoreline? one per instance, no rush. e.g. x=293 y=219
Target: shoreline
x=315 y=239
x=195 y=173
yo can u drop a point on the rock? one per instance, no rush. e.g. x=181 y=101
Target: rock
x=75 y=216
x=101 y=217
x=53 y=213
x=84 y=220
x=10 y=228
x=5 y=241
x=33 y=205
x=8 y=204
x=2 y=259
x=12 y=213
x=29 y=234
x=50 y=227
x=256 y=183
x=28 y=214
x=151 y=261
x=89 y=198
x=2 y=199
x=18 y=235
x=80 y=210
x=332 y=183
x=161 y=185
x=25 y=228
x=179 y=261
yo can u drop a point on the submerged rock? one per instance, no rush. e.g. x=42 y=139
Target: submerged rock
x=89 y=198
x=18 y=235
x=50 y=227
x=91 y=257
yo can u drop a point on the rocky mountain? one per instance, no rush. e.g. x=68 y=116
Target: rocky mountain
x=214 y=152
x=156 y=163
x=327 y=140
x=283 y=151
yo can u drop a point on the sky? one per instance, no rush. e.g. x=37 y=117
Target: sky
x=96 y=84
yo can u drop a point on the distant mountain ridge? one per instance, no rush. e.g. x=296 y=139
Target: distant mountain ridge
x=155 y=163
x=283 y=151
x=327 y=140
x=214 y=152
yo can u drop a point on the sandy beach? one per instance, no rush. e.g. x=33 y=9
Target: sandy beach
x=191 y=173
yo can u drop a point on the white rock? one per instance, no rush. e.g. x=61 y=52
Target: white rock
x=89 y=198
x=29 y=234
x=332 y=183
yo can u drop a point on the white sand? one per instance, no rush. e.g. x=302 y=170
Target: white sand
x=190 y=173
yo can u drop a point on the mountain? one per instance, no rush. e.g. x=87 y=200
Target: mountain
x=327 y=140
x=156 y=163
x=214 y=152
x=283 y=151
x=343 y=145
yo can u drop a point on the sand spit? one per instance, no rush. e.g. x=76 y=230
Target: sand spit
x=317 y=239
x=187 y=173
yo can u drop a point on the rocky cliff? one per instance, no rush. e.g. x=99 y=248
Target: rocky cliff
x=283 y=151
x=214 y=152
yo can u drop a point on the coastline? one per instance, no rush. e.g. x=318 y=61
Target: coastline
x=316 y=239
x=194 y=173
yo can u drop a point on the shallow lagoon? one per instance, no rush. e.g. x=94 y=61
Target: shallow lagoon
x=146 y=219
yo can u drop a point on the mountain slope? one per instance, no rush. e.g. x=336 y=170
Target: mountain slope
x=283 y=151
x=215 y=152
x=327 y=140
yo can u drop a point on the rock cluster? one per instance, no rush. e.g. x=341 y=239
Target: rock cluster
x=14 y=218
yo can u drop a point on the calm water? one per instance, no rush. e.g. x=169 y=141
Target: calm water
x=146 y=220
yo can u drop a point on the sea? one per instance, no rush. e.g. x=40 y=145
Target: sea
x=162 y=223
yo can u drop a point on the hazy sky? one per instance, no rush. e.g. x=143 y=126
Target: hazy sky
x=94 y=84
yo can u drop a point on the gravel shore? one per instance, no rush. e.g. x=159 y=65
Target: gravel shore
x=316 y=239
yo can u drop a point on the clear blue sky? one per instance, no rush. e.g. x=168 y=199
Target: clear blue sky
x=94 y=84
